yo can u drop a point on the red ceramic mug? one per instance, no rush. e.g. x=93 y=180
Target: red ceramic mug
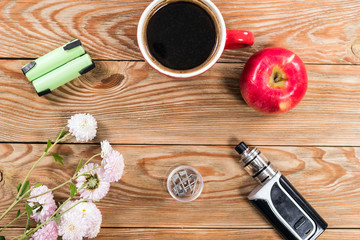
x=224 y=39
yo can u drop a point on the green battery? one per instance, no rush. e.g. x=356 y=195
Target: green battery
x=58 y=67
x=53 y=60
x=63 y=74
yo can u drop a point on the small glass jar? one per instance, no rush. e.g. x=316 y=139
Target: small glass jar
x=185 y=183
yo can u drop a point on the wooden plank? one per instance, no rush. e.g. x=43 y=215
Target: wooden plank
x=327 y=177
x=319 y=31
x=203 y=234
x=136 y=105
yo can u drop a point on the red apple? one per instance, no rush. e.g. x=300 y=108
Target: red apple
x=273 y=81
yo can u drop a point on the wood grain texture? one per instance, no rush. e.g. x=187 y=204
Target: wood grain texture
x=136 y=105
x=319 y=31
x=159 y=123
x=327 y=177
x=203 y=234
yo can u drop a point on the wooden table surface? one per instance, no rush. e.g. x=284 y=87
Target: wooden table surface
x=159 y=123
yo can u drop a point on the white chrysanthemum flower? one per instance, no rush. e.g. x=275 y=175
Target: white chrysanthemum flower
x=72 y=226
x=89 y=212
x=114 y=166
x=83 y=127
x=93 y=186
x=43 y=206
x=105 y=148
x=46 y=232
x=92 y=216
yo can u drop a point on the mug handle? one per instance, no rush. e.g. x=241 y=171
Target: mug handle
x=238 y=39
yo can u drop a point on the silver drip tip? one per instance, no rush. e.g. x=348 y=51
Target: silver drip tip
x=255 y=163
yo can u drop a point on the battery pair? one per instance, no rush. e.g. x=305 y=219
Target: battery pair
x=58 y=67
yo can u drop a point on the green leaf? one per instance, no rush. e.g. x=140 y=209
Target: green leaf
x=18 y=187
x=26 y=195
x=38 y=185
x=57 y=219
x=73 y=190
x=2 y=238
x=28 y=210
x=25 y=188
x=62 y=133
x=48 y=145
x=18 y=213
x=27 y=226
x=58 y=158
x=79 y=166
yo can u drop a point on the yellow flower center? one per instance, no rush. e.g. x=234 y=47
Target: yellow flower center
x=71 y=227
x=92 y=182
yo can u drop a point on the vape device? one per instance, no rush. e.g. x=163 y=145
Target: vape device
x=58 y=67
x=278 y=200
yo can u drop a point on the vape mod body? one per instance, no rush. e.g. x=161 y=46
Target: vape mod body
x=278 y=200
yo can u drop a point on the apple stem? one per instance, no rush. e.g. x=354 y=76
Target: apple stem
x=278 y=77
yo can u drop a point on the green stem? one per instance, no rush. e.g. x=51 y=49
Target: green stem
x=62 y=130
x=52 y=217
x=27 y=223
x=28 y=174
x=29 y=233
x=13 y=205
x=61 y=185
x=42 y=156
x=96 y=155
x=84 y=173
x=9 y=209
x=13 y=221
x=23 y=236
x=51 y=190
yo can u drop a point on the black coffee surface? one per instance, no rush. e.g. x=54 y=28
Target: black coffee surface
x=181 y=35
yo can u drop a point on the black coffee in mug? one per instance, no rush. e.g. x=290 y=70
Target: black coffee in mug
x=181 y=35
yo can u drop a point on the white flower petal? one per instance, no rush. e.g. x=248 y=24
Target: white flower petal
x=72 y=226
x=83 y=127
x=47 y=232
x=105 y=148
x=113 y=166
x=92 y=216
